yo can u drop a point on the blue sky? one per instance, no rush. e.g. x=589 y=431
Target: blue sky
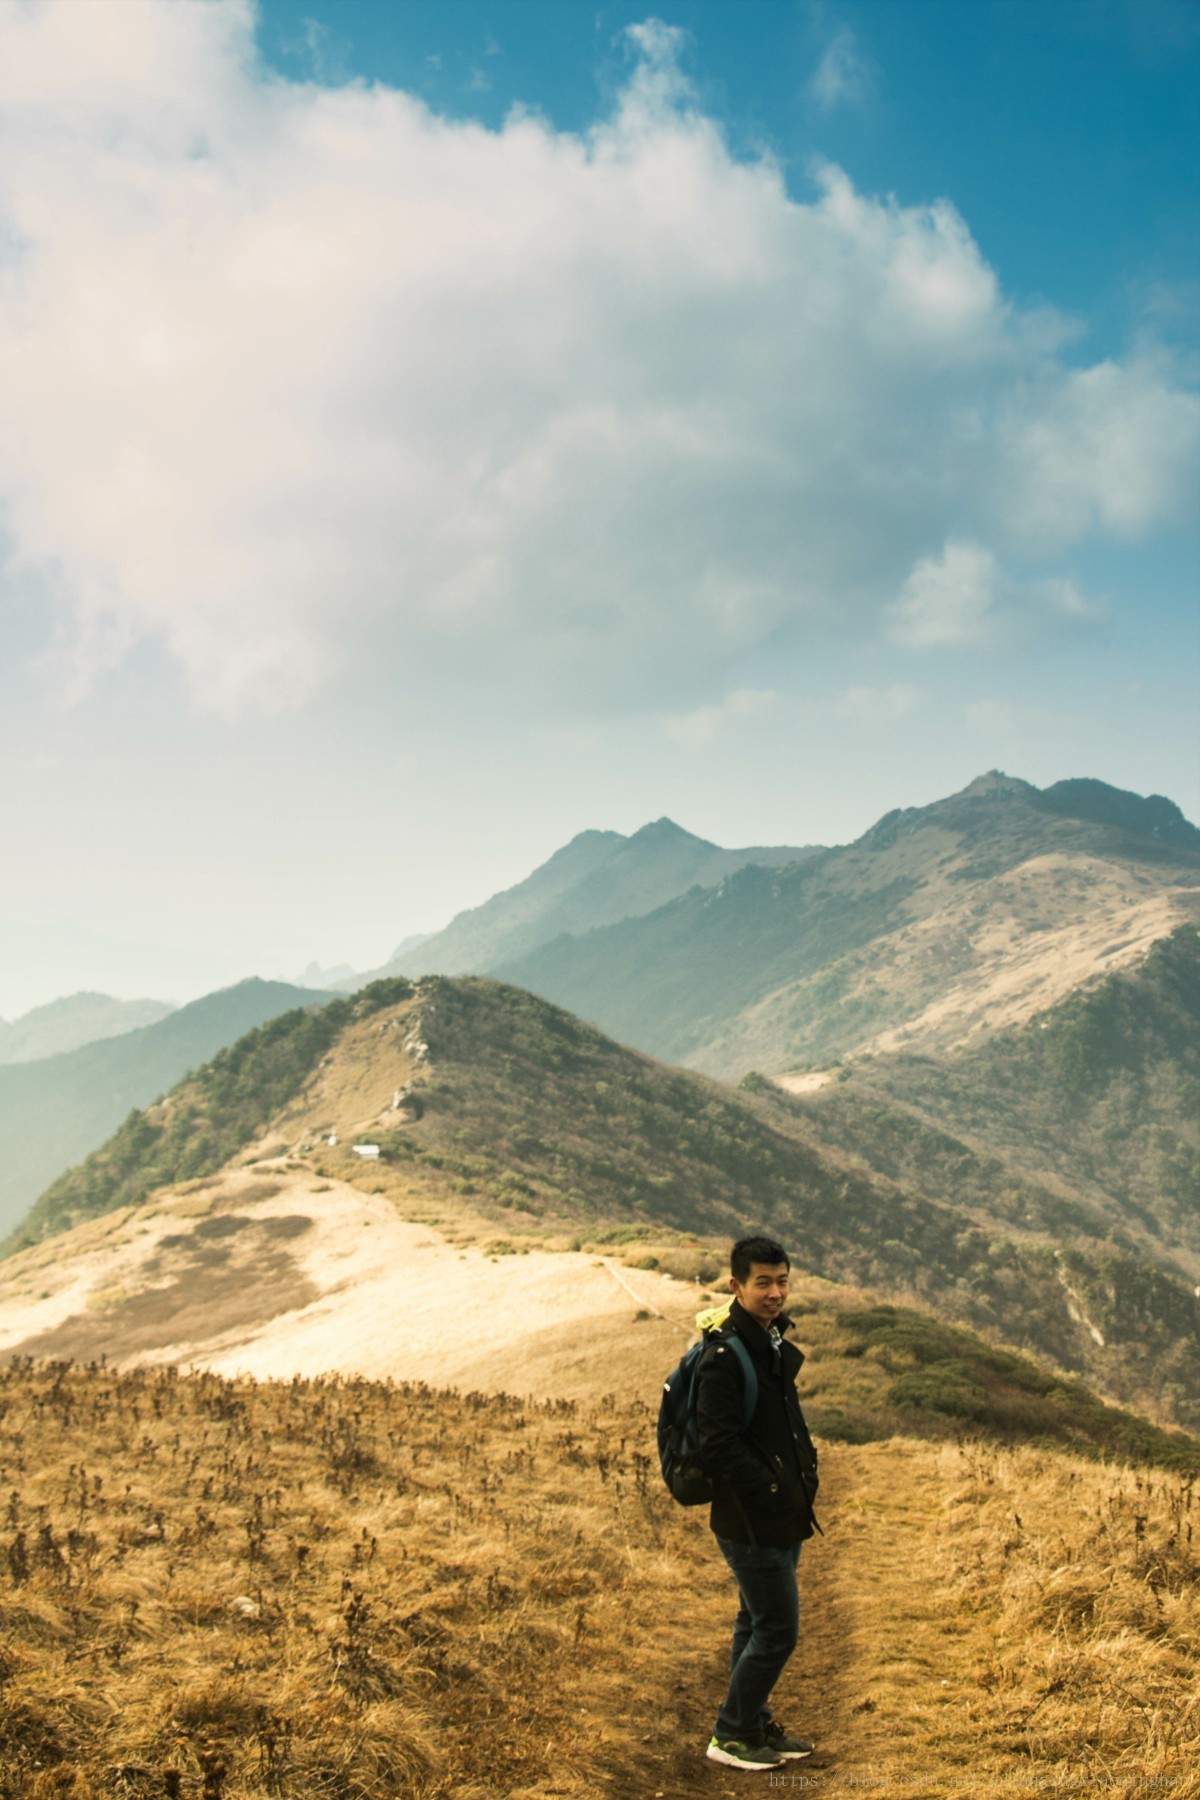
x=1067 y=134
x=433 y=430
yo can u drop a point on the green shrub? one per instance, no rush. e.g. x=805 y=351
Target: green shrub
x=941 y=1388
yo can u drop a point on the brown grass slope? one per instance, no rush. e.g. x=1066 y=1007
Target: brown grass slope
x=345 y=1590
x=544 y=1124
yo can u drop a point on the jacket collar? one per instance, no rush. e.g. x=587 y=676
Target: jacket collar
x=755 y=1335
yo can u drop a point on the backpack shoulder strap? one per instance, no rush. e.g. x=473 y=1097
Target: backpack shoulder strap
x=749 y=1377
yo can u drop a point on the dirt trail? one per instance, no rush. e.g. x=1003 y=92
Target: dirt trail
x=875 y=1681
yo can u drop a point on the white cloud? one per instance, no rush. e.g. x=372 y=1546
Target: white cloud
x=947 y=599
x=707 y=724
x=1100 y=449
x=871 y=706
x=963 y=597
x=842 y=77
x=300 y=380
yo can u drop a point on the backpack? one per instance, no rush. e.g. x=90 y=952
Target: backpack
x=678 y=1431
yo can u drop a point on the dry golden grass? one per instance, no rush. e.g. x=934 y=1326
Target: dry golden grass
x=319 y=1588
x=344 y=1590
x=1012 y=1620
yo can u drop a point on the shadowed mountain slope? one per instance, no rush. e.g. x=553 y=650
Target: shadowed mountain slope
x=55 y=1110
x=596 y=879
x=941 y=922
x=483 y=1098
x=1092 y=1109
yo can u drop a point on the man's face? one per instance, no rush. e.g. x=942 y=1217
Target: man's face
x=763 y=1292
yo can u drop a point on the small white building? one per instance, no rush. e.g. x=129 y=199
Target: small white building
x=365 y=1149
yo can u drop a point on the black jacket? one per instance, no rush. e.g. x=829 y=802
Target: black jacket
x=766 y=1475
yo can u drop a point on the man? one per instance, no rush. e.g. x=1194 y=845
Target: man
x=766 y=1480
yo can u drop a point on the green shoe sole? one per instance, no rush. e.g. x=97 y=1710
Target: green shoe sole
x=737 y=1755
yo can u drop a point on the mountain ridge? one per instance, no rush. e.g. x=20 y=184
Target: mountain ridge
x=596 y=877
x=481 y=1099
x=967 y=913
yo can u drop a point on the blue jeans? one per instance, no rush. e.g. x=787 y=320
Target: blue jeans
x=764 y=1634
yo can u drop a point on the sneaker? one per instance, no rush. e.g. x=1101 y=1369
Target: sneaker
x=785 y=1746
x=735 y=1753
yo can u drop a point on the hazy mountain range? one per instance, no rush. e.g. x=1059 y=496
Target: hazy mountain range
x=597 y=879
x=940 y=922
x=53 y=1111
x=60 y=1109
x=998 y=996
x=72 y=1021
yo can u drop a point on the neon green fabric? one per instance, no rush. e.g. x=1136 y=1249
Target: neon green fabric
x=712 y=1316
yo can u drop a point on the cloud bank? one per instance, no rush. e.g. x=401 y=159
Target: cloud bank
x=301 y=380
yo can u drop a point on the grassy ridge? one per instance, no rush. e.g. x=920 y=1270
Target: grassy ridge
x=561 y=1122
x=207 y=1118
x=563 y=1126
x=560 y=1126
x=534 y=1117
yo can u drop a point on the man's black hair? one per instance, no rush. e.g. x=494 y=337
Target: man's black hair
x=749 y=1250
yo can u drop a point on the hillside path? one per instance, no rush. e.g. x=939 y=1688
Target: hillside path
x=880 y=1681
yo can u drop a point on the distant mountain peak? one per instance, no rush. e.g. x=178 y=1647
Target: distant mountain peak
x=1150 y=816
x=995 y=782
x=597 y=879
x=665 y=831
x=593 y=835
x=84 y=997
